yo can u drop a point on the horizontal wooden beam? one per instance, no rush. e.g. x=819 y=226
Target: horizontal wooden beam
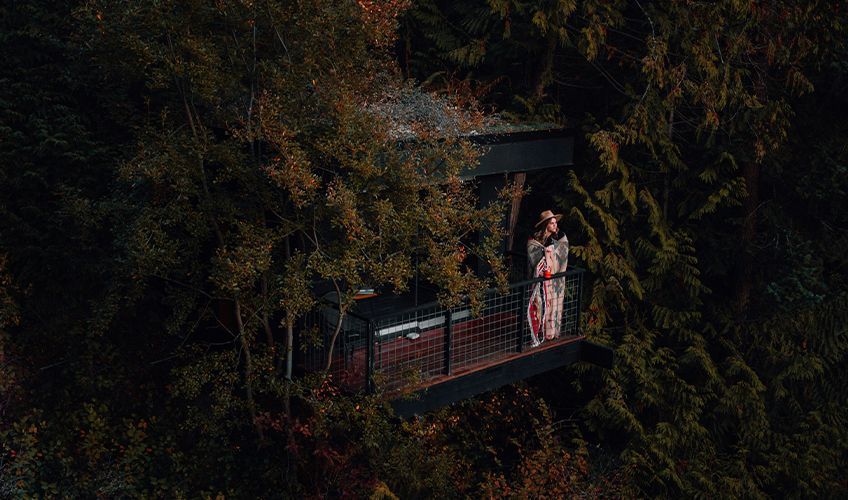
x=597 y=354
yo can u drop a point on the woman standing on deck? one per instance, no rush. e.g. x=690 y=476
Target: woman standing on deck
x=547 y=254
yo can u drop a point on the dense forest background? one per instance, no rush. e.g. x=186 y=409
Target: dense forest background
x=175 y=174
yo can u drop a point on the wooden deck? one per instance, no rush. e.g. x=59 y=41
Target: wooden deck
x=445 y=390
x=498 y=359
x=415 y=373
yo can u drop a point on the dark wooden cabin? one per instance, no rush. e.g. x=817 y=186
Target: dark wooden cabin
x=427 y=356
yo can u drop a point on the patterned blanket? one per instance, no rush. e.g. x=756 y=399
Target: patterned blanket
x=544 y=311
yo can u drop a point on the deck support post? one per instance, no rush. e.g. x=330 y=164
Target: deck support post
x=369 y=365
x=448 y=342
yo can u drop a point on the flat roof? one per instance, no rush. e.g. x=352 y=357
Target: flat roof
x=522 y=151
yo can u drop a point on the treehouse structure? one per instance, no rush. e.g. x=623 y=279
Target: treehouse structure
x=428 y=356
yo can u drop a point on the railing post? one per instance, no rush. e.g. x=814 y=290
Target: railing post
x=448 y=342
x=579 y=302
x=369 y=365
x=519 y=323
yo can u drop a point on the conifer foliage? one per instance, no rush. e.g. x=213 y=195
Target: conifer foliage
x=690 y=111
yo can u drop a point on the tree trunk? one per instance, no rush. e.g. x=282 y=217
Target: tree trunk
x=667 y=180
x=289 y=329
x=266 y=322
x=248 y=371
x=518 y=180
x=291 y=459
x=342 y=311
x=544 y=75
x=747 y=236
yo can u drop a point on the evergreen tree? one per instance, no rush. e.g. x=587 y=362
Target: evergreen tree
x=696 y=106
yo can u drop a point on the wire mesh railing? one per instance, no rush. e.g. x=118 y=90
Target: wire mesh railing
x=411 y=347
x=418 y=345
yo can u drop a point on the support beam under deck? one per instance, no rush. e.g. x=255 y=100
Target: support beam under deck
x=447 y=390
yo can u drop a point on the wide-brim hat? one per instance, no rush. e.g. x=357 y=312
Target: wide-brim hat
x=546 y=216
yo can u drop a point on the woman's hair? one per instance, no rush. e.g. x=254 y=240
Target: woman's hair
x=540 y=235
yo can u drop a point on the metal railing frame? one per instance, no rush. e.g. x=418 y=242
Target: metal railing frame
x=371 y=323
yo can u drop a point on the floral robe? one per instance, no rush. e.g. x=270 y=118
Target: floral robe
x=544 y=311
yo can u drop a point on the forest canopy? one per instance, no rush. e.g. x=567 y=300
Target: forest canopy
x=177 y=175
